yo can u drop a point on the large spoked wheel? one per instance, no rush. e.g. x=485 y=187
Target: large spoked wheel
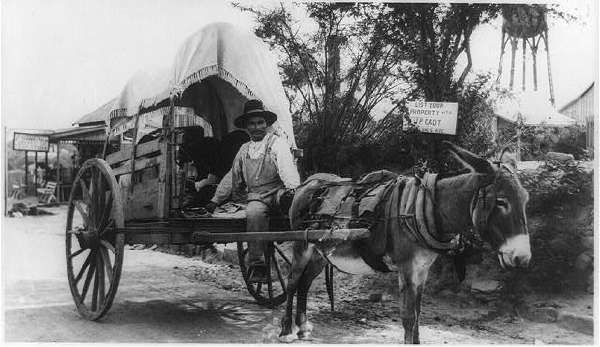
x=272 y=293
x=94 y=247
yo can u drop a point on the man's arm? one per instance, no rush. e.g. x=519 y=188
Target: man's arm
x=224 y=189
x=285 y=164
x=231 y=182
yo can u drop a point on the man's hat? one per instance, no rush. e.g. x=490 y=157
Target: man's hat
x=253 y=108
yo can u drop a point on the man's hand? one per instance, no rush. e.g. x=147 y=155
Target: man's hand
x=210 y=207
x=201 y=184
x=285 y=198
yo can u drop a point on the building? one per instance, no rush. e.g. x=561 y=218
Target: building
x=584 y=110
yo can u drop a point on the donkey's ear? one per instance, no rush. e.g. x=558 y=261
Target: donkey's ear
x=468 y=159
x=509 y=158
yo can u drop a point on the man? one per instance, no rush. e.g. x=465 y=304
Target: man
x=263 y=168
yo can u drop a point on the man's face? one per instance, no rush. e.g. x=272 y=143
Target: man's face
x=256 y=127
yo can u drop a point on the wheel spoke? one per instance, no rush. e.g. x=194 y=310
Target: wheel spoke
x=94 y=193
x=101 y=196
x=85 y=192
x=106 y=261
x=287 y=260
x=279 y=275
x=101 y=292
x=106 y=213
x=87 y=198
x=73 y=255
x=107 y=227
x=80 y=206
x=83 y=267
x=269 y=283
x=107 y=245
x=95 y=290
x=88 y=278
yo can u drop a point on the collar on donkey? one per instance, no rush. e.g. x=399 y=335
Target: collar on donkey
x=417 y=206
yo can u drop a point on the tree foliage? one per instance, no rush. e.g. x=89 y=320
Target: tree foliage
x=348 y=69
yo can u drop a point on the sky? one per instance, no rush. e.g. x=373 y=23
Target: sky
x=62 y=59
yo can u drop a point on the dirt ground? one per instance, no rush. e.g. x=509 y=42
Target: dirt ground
x=171 y=298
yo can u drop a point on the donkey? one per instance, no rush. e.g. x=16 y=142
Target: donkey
x=488 y=198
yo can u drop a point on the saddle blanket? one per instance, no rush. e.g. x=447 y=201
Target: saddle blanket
x=382 y=201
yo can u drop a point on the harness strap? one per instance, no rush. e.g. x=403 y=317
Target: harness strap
x=417 y=212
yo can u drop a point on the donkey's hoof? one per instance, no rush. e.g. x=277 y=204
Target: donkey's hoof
x=290 y=337
x=306 y=327
x=304 y=335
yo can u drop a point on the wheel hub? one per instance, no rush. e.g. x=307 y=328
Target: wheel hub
x=88 y=239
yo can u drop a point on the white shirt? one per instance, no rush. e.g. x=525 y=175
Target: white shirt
x=280 y=154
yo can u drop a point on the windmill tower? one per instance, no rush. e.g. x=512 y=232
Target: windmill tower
x=525 y=23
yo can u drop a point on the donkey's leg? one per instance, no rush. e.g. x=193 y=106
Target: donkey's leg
x=408 y=307
x=313 y=269
x=418 y=313
x=413 y=280
x=300 y=259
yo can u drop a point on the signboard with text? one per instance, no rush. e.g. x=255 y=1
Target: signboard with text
x=31 y=142
x=433 y=117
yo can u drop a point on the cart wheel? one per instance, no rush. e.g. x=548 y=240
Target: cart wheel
x=94 y=247
x=274 y=294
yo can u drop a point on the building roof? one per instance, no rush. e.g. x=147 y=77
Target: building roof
x=98 y=116
x=577 y=98
x=82 y=134
x=533 y=109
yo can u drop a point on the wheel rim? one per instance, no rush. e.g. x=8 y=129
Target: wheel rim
x=273 y=293
x=94 y=249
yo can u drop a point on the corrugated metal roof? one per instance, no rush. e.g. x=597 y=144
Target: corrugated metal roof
x=94 y=133
x=577 y=98
x=100 y=115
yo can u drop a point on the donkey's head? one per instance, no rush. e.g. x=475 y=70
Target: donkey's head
x=498 y=206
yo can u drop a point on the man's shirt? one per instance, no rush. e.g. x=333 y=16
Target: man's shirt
x=280 y=154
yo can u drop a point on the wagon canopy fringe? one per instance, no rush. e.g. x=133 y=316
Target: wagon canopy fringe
x=215 y=70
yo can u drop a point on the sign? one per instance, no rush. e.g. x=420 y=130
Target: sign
x=31 y=142
x=434 y=117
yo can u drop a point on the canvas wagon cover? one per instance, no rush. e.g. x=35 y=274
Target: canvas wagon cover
x=142 y=85
x=238 y=58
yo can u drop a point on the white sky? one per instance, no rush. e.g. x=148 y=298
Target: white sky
x=64 y=58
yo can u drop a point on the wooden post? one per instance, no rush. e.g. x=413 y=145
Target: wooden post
x=519 y=141
x=550 y=86
x=502 y=46
x=58 y=190
x=524 y=61
x=133 y=152
x=5 y=164
x=35 y=172
x=26 y=172
x=164 y=174
x=513 y=43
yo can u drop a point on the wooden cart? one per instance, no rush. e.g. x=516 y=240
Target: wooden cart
x=97 y=230
x=134 y=193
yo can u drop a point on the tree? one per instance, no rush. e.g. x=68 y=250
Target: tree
x=341 y=63
x=335 y=72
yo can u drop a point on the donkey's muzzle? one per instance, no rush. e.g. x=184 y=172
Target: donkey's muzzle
x=516 y=251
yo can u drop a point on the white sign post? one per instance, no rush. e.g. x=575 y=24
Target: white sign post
x=434 y=117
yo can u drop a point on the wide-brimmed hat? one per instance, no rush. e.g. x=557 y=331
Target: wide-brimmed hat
x=253 y=108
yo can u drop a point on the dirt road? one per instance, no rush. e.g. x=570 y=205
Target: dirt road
x=170 y=298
